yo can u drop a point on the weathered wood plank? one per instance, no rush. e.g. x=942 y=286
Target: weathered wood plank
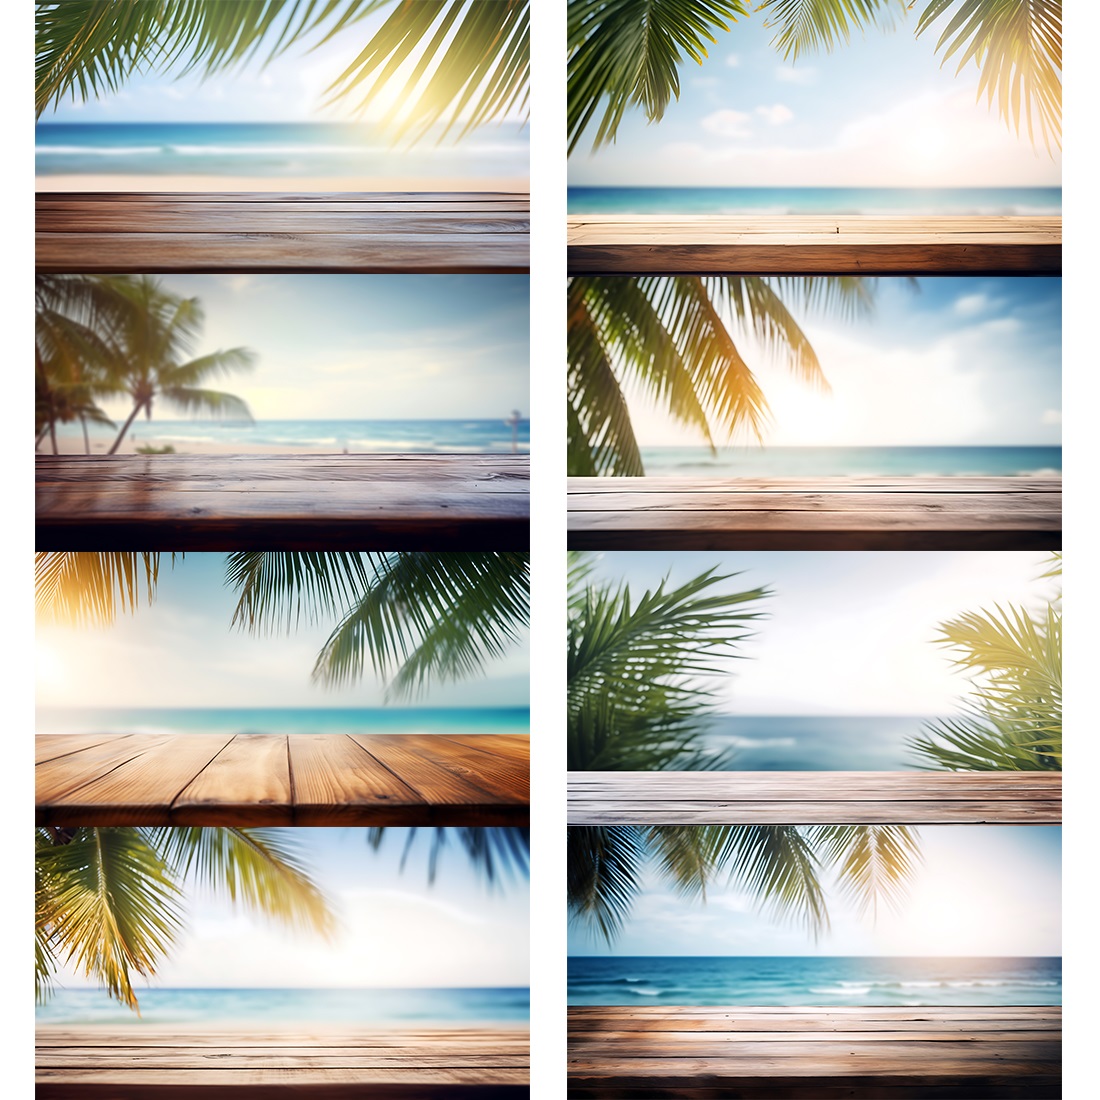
x=810 y=798
x=361 y=502
x=830 y=513
x=601 y=244
x=860 y=1053
x=223 y=232
x=275 y=779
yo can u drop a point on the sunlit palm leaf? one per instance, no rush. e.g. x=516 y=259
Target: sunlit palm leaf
x=93 y=588
x=429 y=616
x=493 y=852
x=259 y=868
x=873 y=862
x=108 y=904
x=806 y=25
x=626 y=53
x=1017 y=48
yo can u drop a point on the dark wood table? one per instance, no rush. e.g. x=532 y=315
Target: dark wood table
x=817 y=244
x=811 y=798
x=905 y=513
x=276 y=779
x=617 y=1053
x=282 y=502
x=137 y=1062
x=263 y=231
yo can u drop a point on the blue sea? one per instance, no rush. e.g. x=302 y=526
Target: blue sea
x=817 y=981
x=815 y=200
x=380 y=1007
x=852 y=461
x=353 y=436
x=283 y=720
x=817 y=743
x=272 y=149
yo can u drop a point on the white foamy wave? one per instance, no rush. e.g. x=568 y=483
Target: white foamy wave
x=738 y=742
x=99 y=151
x=844 y=989
x=645 y=991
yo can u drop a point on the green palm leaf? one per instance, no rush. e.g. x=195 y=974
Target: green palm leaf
x=873 y=862
x=626 y=53
x=604 y=868
x=494 y=852
x=806 y=25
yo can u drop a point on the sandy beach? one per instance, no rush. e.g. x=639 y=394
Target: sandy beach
x=150 y=183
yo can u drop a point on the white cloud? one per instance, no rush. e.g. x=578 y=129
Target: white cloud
x=776 y=115
x=733 y=60
x=1051 y=416
x=728 y=123
x=788 y=74
x=969 y=305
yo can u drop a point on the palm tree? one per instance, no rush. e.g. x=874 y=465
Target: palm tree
x=159 y=330
x=1013 y=719
x=627 y=53
x=110 y=900
x=415 y=616
x=669 y=339
x=782 y=866
x=635 y=700
x=472 y=57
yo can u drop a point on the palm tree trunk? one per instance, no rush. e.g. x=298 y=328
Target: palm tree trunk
x=125 y=428
x=53 y=436
x=84 y=429
x=41 y=435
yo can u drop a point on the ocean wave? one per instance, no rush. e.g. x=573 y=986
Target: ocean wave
x=738 y=742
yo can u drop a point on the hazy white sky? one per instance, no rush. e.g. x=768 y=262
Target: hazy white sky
x=181 y=652
x=367 y=346
x=979 y=890
x=846 y=632
x=878 y=112
x=953 y=362
x=395 y=929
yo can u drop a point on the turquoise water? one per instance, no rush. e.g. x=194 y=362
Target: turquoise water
x=283 y=720
x=271 y=149
x=393 y=1007
x=816 y=743
x=827 y=981
x=815 y=200
x=355 y=436
x=852 y=461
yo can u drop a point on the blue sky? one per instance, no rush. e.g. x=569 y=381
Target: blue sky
x=979 y=890
x=181 y=652
x=879 y=112
x=395 y=929
x=368 y=346
x=957 y=361
x=846 y=633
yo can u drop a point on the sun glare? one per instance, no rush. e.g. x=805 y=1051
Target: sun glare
x=49 y=669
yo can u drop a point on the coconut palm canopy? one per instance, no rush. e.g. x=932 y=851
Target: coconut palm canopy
x=450 y=63
x=413 y=619
x=626 y=55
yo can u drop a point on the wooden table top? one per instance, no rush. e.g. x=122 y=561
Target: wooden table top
x=811 y=798
x=842 y=513
x=443 y=232
x=139 y=1062
x=282 y=502
x=668 y=244
x=276 y=779
x=815 y=1053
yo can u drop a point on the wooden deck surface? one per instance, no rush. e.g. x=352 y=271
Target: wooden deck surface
x=905 y=513
x=282 y=502
x=275 y=779
x=811 y=798
x=276 y=231
x=630 y=244
x=815 y=1053
x=139 y=1062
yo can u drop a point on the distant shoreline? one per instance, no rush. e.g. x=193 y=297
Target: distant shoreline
x=159 y=183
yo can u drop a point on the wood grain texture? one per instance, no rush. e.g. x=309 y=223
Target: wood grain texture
x=275 y=779
x=282 y=502
x=806 y=1053
x=810 y=798
x=627 y=244
x=421 y=1064
x=992 y=513
x=247 y=232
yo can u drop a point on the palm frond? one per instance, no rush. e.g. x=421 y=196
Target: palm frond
x=806 y=25
x=627 y=53
x=93 y=587
x=604 y=875
x=873 y=862
x=493 y=852
x=1017 y=48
